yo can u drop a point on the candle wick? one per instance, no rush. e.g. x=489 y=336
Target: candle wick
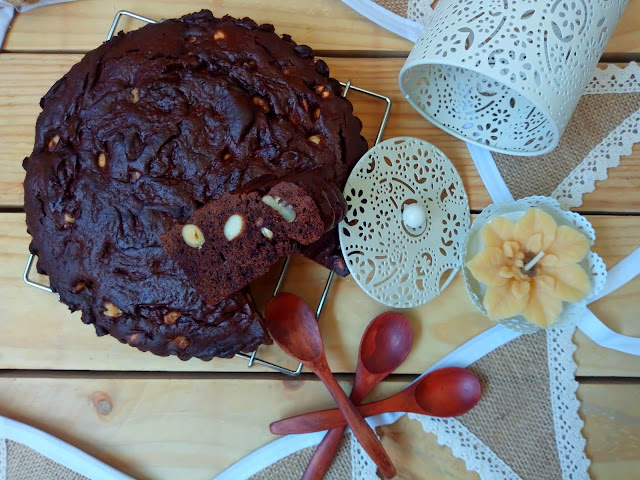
x=533 y=261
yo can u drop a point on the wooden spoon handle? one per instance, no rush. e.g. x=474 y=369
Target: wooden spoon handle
x=326 y=451
x=326 y=419
x=323 y=456
x=361 y=429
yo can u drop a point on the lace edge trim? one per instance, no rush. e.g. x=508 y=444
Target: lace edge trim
x=466 y=446
x=615 y=79
x=570 y=443
x=361 y=471
x=608 y=152
x=581 y=180
x=3 y=459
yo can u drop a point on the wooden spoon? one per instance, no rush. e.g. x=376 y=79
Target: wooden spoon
x=446 y=392
x=294 y=328
x=384 y=346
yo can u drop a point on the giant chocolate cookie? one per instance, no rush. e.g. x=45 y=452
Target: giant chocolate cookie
x=152 y=125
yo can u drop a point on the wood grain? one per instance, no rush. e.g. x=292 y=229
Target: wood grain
x=26 y=78
x=616 y=308
x=81 y=26
x=196 y=428
x=44 y=335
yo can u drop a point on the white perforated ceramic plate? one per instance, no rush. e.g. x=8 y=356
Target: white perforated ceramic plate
x=396 y=265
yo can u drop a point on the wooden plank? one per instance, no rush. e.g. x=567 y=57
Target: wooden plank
x=611 y=427
x=196 y=428
x=40 y=333
x=81 y=26
x=617 y=308
x=326 y=25
x=626 y=36
x=25 y=78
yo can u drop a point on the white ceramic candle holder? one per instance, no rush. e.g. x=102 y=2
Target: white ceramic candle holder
x=507 y=74
x=592 y=263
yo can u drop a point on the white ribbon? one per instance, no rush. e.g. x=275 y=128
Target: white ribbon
x=58 y=451
x=6 y=15
x=489 y=174
x=620 y=274
x=388 y=20
x=599 y=333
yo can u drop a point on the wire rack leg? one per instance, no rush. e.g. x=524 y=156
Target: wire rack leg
x=120 y=14
x=28 y=281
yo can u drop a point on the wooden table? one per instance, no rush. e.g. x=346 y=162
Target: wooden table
x=173 y=419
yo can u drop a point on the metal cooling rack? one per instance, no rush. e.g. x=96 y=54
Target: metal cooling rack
x=252 y=358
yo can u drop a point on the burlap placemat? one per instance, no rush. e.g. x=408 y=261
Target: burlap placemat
x=594 y=119
x=514 y=417
x=24 y=463
x=399 y=7
x=294 y=465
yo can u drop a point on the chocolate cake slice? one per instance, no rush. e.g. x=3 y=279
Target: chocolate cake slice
x=142 y=132
x=235 y=239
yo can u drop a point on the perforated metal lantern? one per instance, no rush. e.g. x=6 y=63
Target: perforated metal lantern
x=507 y=74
